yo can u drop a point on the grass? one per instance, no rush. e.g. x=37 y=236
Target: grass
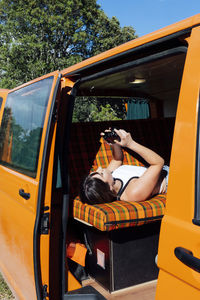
x=5 y=293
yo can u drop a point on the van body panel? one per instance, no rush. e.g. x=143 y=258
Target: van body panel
x=171 y=29
x=17 y=233
x=17 y=214
x=173 y=287
x=177 y=228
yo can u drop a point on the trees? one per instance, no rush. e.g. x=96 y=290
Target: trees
x=108 y=33
x=40 y=36
x=92 y=109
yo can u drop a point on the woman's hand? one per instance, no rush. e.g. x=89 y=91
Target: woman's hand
x=102 y=134
x=124 y=141
x=110 y=136
x=117 y=153
x=125 y=137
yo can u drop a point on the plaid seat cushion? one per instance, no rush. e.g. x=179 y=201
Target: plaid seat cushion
x=120 y=214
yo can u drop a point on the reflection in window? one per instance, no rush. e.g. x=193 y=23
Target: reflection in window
x=22 y=124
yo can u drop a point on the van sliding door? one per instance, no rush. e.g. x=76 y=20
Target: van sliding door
x=179 y=247
x=23 y=146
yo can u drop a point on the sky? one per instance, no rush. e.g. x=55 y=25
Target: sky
x=146 y=16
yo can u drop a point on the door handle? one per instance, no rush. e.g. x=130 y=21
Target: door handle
x=24 y=195
x=186 y=257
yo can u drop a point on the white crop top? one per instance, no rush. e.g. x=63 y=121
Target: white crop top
x=127 y=172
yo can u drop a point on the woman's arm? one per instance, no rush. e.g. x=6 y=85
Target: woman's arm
x=117 y=159
x=117 y=153
x=150 y=156
x=141 y=189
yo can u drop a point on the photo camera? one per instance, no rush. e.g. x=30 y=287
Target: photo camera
x=111 y=136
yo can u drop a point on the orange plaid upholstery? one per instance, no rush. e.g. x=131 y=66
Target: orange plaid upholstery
x=120 y=214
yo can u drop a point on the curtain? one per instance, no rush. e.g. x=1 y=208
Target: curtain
x=138 y=108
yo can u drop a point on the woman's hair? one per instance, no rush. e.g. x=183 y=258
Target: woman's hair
x=96 y=191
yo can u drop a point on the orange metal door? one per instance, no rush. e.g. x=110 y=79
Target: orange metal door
x=22 y=140
x=179 y=246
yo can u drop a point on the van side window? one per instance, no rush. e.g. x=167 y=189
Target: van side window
x=1 y=100
x=22 y=125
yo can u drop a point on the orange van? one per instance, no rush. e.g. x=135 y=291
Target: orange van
x=146 y=250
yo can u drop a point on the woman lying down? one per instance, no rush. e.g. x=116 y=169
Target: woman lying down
x=125 y=182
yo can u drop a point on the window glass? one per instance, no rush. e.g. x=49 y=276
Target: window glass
x=1 y=100
x=22 y=124
x=97 y=109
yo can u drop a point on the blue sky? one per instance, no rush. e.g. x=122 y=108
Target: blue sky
x=149 y=15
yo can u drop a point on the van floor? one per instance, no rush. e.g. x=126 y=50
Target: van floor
x=144 y=291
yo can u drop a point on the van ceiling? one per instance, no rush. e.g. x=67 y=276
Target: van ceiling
x=162 y=80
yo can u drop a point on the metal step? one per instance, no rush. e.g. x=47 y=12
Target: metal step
x=84 y=293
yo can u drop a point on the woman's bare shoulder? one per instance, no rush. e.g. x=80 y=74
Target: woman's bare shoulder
x=130 y=193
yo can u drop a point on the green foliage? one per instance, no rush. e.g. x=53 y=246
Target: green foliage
x=40 y=36
x=91 y=109
x=106 y=113
x=109 y=34
x=82 y=109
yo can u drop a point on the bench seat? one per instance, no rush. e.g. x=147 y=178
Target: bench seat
x=87 y=153
x=120 y=214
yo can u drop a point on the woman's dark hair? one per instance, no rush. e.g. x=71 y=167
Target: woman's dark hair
x=96 y=191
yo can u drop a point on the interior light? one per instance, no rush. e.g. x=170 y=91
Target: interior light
x=138 y=81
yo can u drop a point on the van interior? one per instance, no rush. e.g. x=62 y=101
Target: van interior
x=144 y=88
